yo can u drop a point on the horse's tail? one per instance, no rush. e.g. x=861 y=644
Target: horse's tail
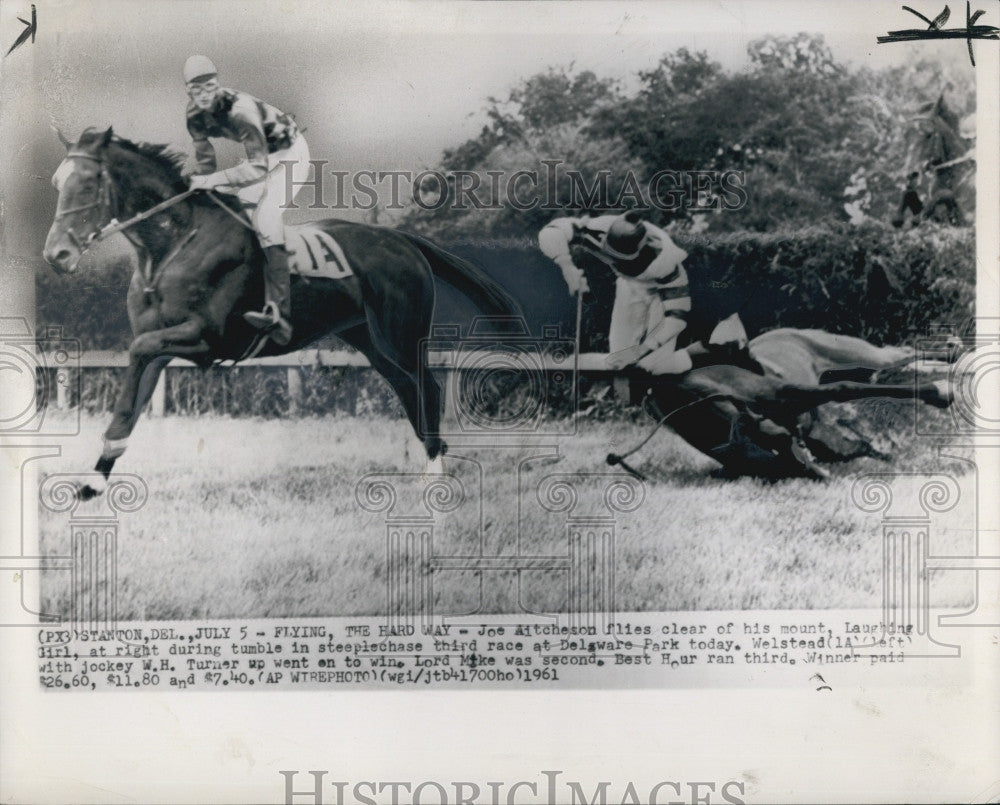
x=487 y=294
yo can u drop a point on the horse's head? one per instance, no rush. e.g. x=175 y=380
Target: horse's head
x=934 y=138
x=927 y=145
x=86 y=200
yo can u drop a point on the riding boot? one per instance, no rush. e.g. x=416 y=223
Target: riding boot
x=275 y=319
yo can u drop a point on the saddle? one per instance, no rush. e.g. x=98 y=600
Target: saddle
x=312 y=251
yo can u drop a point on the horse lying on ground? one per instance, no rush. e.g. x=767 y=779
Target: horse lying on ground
x=200 y=269
x=766 y=425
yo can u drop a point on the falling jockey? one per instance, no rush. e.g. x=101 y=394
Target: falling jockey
x=270 y=138
x=652 y=297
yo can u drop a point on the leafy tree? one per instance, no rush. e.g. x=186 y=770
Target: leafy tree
x=545 y=100
x=814 y=140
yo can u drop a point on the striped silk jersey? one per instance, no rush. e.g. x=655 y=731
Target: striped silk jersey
x=239 y=116
x=664 y=274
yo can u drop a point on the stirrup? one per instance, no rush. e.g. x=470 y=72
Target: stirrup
x=266 y=319
x=271 y=322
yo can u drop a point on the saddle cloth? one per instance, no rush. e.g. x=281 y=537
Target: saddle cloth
x=314 y=253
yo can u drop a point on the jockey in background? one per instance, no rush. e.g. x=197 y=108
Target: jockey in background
x=652 y=298
x=270 y=137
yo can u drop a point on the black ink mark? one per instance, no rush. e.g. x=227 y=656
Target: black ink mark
x=824 y=686
x=29 y=31
x=934 y=24
x=935 y=31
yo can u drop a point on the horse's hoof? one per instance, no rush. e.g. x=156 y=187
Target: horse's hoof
x=91 y=486
x=87 y=492
x=803 y=455
x=434 y=466
x=945 y=396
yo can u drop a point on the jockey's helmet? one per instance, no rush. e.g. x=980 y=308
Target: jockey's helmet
x=628 y=245
x=626 y=237
x=198 y=67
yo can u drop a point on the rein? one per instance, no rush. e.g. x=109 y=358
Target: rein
x=619 y=458
x=104 y=195
x=114 y=226
x=104 y=201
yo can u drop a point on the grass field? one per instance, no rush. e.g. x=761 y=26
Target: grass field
x=258 y=518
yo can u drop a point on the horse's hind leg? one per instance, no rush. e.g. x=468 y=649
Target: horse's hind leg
x=398 y=302
x=793 y=399
x=421 y=397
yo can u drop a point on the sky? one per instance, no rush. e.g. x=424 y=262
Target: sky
x=381 y=86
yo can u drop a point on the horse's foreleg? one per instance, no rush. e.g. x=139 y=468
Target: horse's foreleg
x=148 y=355
x=830 y=444
x=797 y=399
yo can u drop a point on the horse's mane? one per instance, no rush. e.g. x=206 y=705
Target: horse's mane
x=165 y=156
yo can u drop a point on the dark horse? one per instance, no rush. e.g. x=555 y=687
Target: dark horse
x=765 y=425
x=199 y=269
x=939 y=169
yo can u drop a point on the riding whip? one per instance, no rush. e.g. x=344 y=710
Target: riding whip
x=576 y=337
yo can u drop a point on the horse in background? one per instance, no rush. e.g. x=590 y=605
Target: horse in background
x=939 y=168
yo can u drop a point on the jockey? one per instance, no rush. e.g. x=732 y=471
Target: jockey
x=652 y=298
x=270 y=138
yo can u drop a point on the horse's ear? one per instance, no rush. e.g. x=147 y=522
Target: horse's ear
x=62 y=138
x=106 y=137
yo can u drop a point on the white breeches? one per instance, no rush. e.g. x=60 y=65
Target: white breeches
x=265 y=201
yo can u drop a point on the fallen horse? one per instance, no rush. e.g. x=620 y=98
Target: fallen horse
x=766 y=424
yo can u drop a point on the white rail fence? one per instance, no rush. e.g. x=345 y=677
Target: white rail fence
x=590 y=362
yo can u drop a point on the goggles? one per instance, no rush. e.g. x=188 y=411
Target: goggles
x=203 y=88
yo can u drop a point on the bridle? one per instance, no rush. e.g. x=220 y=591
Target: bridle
x=104 y=201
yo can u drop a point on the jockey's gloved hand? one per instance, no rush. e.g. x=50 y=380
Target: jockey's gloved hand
x=575 y=279
x=204 y=181
x=626 y=357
